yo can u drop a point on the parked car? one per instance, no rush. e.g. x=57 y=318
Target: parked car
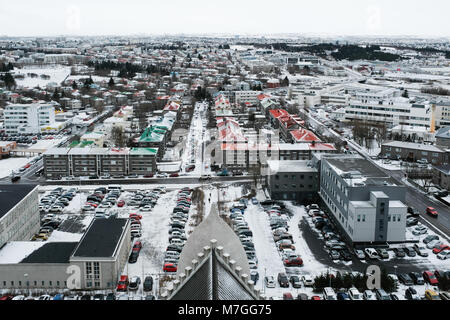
x=134 y=283
x=430 y=277
x=382 y=295
x=122 y=285
x=417 y=278
x=382 y=253
x=441 y=248
x=269 y=281
x=431 y=295
x=295 y=281
x=283 y=280
x=369 y=295
x=444 y=255
x=410 y=251
x=148 y=283
x=329 y=294
x=169 y=267
x=359 y=254
x=419 y=230
x=405 y=279
x=371 y=253
x=399 y=252
x=411 y=294
x=354 y=294
x=421 y=251
x=430 y=238
x=307 y=280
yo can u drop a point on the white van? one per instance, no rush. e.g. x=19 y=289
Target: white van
x=329 y=294
x=354 y=294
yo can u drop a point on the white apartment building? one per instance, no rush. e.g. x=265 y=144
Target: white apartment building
x=28 y=118
x=247 y=96
x=394 y=112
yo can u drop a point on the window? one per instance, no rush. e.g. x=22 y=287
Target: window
x=57 y=283
x=50 y=283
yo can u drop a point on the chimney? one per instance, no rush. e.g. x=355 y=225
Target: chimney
x=187 y=271
x=244 y=277
x=232 y=263
x=176 y=284
x=182 y=277
x=251 y=284
x=238 y=270
x=206 y=250
x=219 y=251
x=226 y=257
x=200 y=256
x=213 y=243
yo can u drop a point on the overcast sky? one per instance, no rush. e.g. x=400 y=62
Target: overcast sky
x=333 y=17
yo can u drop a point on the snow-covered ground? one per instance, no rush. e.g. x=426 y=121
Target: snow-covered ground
x=7 y=166
x=194 y=143
x=57 y=74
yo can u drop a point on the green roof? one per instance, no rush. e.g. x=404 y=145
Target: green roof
x=153 y=134
x=73 y=144
x=143 y=151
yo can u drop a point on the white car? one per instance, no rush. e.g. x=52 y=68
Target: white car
x=371 y=253
x=269 y=281
x=20 y=297
x=369 y=295
x=420 y=250
x=434 y=243
x=444 y=255
x=419 y=230
x=354 y=294
x=307 y=280
x=146 y=209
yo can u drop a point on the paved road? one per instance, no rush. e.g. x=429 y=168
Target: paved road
x=413 y=197
x=179 y=180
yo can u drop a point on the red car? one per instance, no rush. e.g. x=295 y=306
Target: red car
x=441 y=248
x=95 y=205
x=135 y=216
x=430 y=277
x=150 y=175
x=315 y=298
x=296 y=261
x=432 y=212
x=174 y=175
x=121 y=203
x=123 y=284
x=27 y=166
x=169 y=267
x=137 y=246
x=288 y=296
x=6 y=297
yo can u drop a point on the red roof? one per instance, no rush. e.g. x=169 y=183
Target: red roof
x=303 y=135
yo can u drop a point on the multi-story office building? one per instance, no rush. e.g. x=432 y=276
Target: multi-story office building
x=366 y=204
x=62 y=162
x=28 y=118
x=19 y=215
x=292 y=180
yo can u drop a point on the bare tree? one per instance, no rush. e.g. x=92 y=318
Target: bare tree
x=118 y=137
